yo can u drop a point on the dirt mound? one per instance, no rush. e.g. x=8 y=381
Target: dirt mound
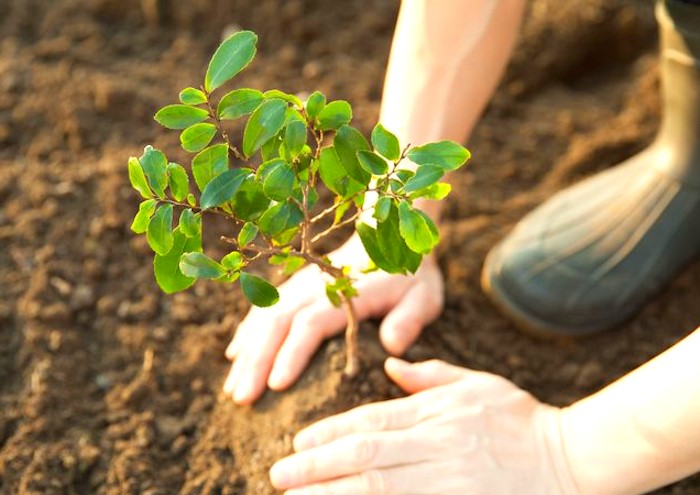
x=108 y=386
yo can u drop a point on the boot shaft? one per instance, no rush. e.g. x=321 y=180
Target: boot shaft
x=679 y=137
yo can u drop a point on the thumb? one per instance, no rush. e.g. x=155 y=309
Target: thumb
x=417 y=377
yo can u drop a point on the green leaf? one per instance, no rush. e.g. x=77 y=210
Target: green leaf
x=382 y=208
x=414 y=229
x=191 y=200
x=266 y=167
x=267 y=120
x=332 y=295
x=295 y=137
x=341 y=211
x=393 y=245
x=334 y=115
x=445 y=154
x=293 y=264
x=230 y=58
x=296 y=216
x=372 y=162
x=190 y=223
x=180 y=116
x=314 y=104
x=138 y=179
x=386 y=143
x=210 y=163
x=143 y=217
x=276 y=93
x=404 y=175
x=274 y=220
x=285 y=237
x=279 y=181
x=436 y=191
x=250 y=201
x=238 y=103
x=232 y=261
x=197 y=137
x=179 y=182
x=368 y=236
x=348 y=141
x=271 y=149
x=334 y=176
x=247 y=234
x=331 y=170
x=426 y=175
x=199 y=265
x=166 y=268
x=155 y=167
x=258 y=291
x=223 y=187
x=431 y=225
x=160 y=230
x=192 y=96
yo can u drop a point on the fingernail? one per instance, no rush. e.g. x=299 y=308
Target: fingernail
x=280 y=474
x=243 y=391
x=395 y=364
x=228 y=384
x=276 y=379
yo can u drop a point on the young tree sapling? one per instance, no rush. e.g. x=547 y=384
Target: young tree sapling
x=268 y=185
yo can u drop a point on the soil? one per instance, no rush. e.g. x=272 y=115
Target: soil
x=108 y=386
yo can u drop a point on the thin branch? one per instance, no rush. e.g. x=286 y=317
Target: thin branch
x=197 y=209
x=333 y=271
x=222 y=131
x=337 y=226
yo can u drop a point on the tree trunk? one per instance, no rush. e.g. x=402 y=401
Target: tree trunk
x=352 y=362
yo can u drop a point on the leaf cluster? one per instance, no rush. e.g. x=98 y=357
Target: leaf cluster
x=268 y=185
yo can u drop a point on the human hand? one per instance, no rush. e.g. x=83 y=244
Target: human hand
x=273 y=345
x=462 y=432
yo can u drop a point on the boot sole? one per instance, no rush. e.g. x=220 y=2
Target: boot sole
x=524 y=320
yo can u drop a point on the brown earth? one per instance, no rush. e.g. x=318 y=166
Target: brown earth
x=108 y=386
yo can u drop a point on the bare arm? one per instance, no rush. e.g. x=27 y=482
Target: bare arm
x=446 y=60
x=641 y=432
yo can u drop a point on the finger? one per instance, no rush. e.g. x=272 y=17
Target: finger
x=417 y=377
x=347 y=456
x=321 y=320
x=402 y=326
x=415 y=479
x=291 y=300
x=390 y=415
x=252 y=367
x=309 y=328
x=251 y=334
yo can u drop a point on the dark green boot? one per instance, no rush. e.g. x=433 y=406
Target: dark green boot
x=591 y=256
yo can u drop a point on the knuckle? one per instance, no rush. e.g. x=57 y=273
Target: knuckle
x=373 y=482
x=374 y=420
x=304 y=320
x=366 y=449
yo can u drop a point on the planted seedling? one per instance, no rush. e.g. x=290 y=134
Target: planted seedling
x=268 y=185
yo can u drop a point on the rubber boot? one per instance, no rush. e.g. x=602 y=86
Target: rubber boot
x=590 y=257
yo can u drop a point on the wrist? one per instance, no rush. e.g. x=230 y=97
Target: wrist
x=557 y=471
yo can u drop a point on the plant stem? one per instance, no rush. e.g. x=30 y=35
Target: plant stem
x=352 y=363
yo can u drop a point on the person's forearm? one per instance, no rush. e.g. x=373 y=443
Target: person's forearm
x=447 y=58
x=641 y=432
